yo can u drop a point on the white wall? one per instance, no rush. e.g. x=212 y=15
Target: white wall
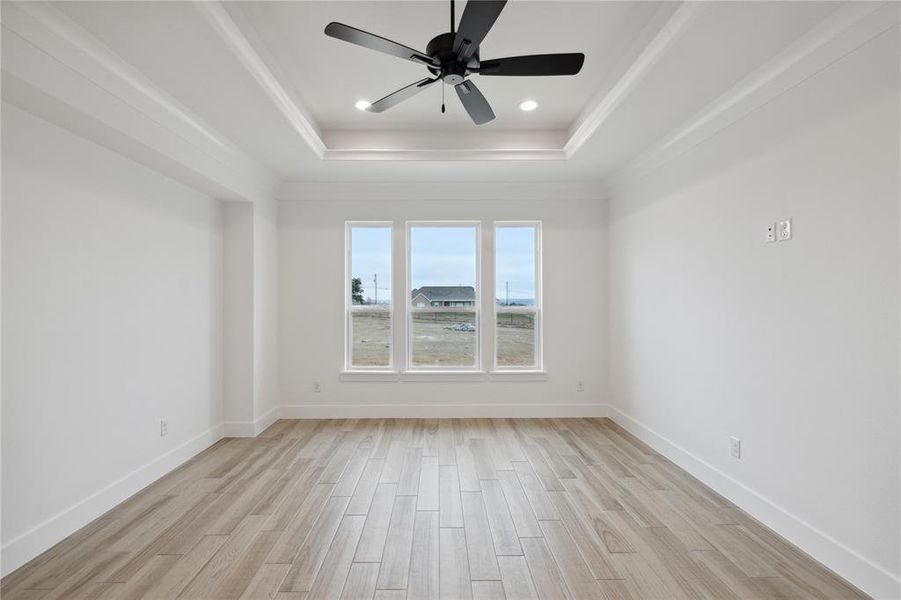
x=250 y=298
x=265 y=314
x=793 y=346
x=237 y=304
x=311 y=267
x=112 y=319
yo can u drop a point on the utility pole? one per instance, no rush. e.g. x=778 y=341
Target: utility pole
x=375 y=284
x=507 y=301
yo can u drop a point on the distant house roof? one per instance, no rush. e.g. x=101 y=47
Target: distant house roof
x=446 y=293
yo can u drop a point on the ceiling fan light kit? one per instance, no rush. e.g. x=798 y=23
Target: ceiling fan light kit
x=453 y=57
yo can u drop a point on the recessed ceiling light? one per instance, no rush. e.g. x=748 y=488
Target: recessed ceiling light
x=363 y=104
x=528 y=105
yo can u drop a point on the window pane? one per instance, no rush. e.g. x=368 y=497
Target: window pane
x=371 y=335
x=515 y=266
x=515 y=339
x=370 y=285
x=443 y=274
x=443 y=257
x=370 y=265
x=444 y=339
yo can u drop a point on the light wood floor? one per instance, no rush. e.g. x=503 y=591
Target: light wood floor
x=389 y=509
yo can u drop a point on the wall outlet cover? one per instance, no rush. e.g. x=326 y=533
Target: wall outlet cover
x=770 y=233
x=735 y=447
x=784 y=230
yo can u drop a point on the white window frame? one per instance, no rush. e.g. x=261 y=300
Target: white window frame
x=350 y=308
x=535 y=310
x=409 y=309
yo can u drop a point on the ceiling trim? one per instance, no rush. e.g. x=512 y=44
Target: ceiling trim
x=445 y=155
x=47 y=54
x=596 y=115
x=441 y=191
x=847 y=29
x=51 y=54
x=229 y=31
x=671 y=31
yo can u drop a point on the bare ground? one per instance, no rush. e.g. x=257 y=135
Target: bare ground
x=435 y=344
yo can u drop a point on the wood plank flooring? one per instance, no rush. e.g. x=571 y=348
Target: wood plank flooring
x=426 y=508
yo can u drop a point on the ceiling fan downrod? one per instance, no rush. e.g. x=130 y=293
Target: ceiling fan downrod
x=453 y=20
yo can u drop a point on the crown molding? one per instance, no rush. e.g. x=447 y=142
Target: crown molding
x=847 y=29
x=441 y=191
x=52 y=67
x=48 y=30
x=216 y=15
x=444 y=155
x=57 y=70
x=595 y=117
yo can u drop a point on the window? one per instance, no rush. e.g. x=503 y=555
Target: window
x=368 y=296
x=517 y=251
x=437 y=304
x=443 y=296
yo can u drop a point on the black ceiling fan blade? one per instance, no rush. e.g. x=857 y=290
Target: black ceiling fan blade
x=474 y=102
x=478 y=18
x=346 y=33
x=395 y=98
x=535 y=64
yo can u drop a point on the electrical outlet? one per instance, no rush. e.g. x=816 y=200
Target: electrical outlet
x=770 y=233
x=580 y=386
x=164 y=427
x=735 y=447
x=784 y=230
x=317 y=387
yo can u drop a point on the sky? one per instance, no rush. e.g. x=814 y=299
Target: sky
x=371 y=255
x=515 y=262
x=445 y=256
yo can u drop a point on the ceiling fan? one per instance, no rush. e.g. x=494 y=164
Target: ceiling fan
x=452 y=57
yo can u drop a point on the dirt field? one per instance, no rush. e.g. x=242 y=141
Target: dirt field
x=371 y=340
x=435 y=344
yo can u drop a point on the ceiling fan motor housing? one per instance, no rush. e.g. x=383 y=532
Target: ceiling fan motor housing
x=451 y=71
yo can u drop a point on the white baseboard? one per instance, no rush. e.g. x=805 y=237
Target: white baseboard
x=36 y=540
x=856 y=569
x=441 y=411
x=250 y=428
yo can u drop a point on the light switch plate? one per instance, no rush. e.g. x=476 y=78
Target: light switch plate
x=770 y=233
x=784 y=230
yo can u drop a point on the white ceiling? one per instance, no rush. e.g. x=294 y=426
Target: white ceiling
x=330 y=75
x=264 y=77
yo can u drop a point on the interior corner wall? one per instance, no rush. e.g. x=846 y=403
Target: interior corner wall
x=238 y=307
x=793 y=346
x=250 y=298
x=311 y=315
x=112 y=320
x=265 y=314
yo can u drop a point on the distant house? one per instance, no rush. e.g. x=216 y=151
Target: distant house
x=444 y=295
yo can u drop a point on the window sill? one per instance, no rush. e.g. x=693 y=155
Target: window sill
x=441 y=376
